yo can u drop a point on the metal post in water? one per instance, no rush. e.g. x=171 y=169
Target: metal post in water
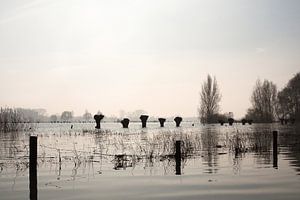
x=32 y=167
x=275 y=149
x=178 y=157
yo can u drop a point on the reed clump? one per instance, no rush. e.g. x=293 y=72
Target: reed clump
x=12 y=120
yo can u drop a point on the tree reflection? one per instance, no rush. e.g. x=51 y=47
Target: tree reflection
x=209 y=139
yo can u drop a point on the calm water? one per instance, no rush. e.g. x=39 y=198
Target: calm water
x=219 y=162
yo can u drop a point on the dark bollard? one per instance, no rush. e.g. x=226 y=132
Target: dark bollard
x=244 y=121
x=178 y=157
x=144 y=118
x=275 y=150
x=32 y=167
x=178 y=120
x=125 y=122
x=221 y=122
x=250 y=121
x=161 y=121
x=98 y=119
x=230 y=121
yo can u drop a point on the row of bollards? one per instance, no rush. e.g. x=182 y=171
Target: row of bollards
x=143 y=118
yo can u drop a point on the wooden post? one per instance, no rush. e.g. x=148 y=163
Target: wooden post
x=98 y=119
x=178 y=121
x=161 y=121
x=144 y=118
x=32 y=167
x=125 y=122
x=275 y=150
x=178 y=157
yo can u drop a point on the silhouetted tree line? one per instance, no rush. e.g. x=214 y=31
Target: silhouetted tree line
x=288 y=102
x=268 y=105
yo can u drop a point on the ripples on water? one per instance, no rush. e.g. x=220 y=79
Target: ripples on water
x=219 y=162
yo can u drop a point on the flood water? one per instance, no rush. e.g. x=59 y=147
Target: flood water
x=218 y=162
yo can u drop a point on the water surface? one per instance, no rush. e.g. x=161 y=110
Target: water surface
x=219 y=162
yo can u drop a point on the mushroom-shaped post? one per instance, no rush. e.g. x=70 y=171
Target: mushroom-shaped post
x=98 y=119
x=125 y=122
x=161 y=121
x=144 y=118
x=221 y=122
x=244 y=121
x=230 y=121
x=178 y=120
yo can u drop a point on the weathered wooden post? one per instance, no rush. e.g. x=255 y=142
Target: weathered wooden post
x=161 y=121
x=275 y=149
x=244 y=121
x=32 y=167
x=178 y=121
x=178 y=157
x=230 y=121
x=125 y=122
x=221 y=122
x=144 y=119
x=98 y=119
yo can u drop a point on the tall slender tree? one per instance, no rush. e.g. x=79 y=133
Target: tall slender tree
x=210 y=98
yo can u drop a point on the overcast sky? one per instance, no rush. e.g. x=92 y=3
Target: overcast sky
x=132 y=54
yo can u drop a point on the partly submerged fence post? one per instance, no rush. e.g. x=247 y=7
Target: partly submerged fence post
x=275 y=148
x=32 y=167
x=178 y=157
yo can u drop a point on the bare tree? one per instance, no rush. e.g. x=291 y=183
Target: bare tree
x=66 y=116
x=53 y=118
x=263 y=100
x=210 y=98
x=289 y=100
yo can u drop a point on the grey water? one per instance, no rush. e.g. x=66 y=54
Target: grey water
x=219 y=162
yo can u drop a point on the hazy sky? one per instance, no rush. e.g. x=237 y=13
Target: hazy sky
x=134 y=54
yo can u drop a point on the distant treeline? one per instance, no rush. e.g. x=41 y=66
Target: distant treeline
x=268 y=105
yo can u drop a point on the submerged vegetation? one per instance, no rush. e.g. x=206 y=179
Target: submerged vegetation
x=15 y=119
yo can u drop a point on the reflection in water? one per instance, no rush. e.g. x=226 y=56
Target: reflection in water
x=289 y=139
x=209 y=140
